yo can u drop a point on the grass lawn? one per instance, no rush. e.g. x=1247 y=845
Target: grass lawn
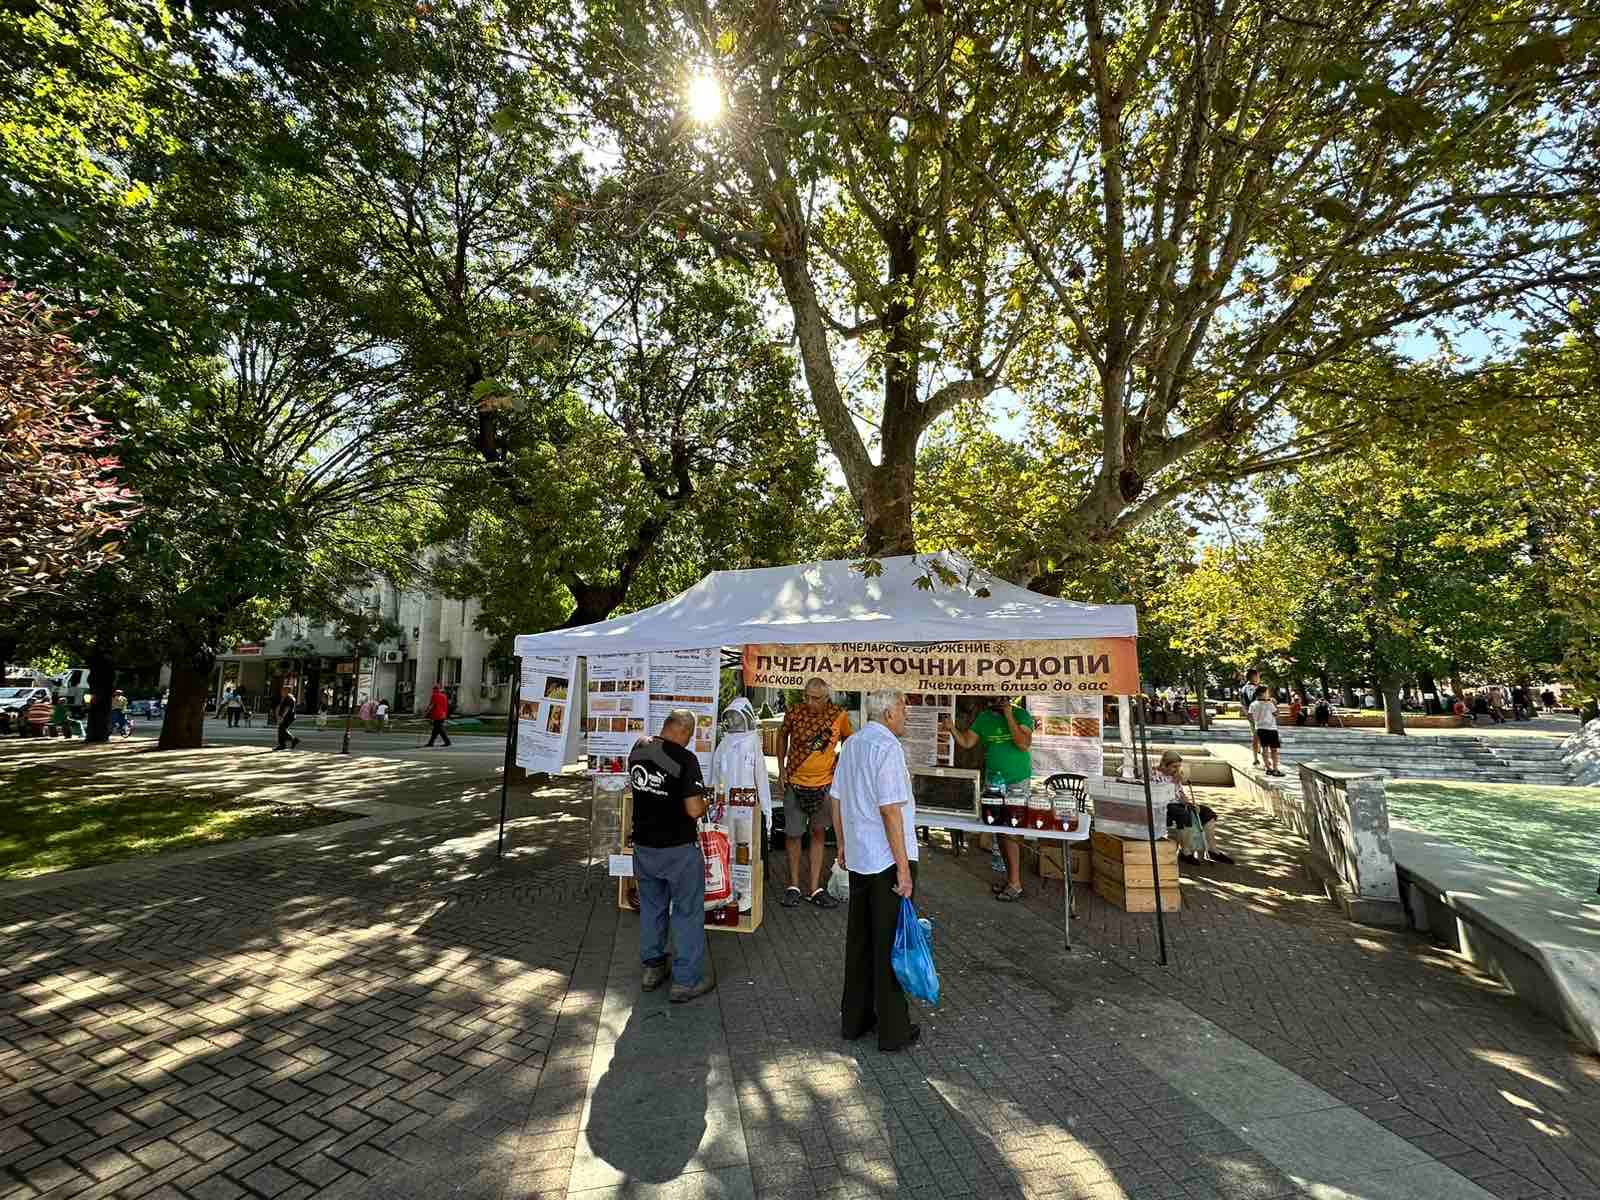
x=1544 y=833
x=54 y=820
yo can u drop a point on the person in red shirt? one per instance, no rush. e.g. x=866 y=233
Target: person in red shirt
x=438 y=710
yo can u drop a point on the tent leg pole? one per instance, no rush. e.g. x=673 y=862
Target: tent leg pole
x=1066 y=890
x=510 y=758
x=1150 y=817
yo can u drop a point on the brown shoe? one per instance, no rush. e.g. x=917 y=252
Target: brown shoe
x=682 y=995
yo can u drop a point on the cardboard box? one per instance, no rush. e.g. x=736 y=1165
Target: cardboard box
x=1051 y=857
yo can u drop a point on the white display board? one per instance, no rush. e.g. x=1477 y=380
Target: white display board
x=546 y=708
x=925 y=746
x=618 y=709
x=687 y=679
x=1067 y=735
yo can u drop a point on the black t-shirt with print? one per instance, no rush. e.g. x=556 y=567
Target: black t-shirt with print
x=664 y=774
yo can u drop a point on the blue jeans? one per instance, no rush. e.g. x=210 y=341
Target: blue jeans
x=672 y=876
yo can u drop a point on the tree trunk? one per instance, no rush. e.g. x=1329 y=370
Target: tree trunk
x=886 y=510
x=183 y=726
x=1394 y=717
x=1455 y=681
x=1200 y=694
x=1347 y=694
x=592 y=602
x=102 y=682
x=1327 y=687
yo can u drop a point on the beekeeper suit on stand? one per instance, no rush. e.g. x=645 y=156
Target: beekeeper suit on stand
x=739 y=765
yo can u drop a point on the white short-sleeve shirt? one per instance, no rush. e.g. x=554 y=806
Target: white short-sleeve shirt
x=1265 y=714
x=872 y=775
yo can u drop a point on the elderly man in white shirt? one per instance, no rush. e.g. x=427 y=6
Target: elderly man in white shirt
x=876 y=817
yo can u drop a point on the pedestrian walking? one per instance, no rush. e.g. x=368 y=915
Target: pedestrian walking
x=285 y=715
x=1264 y=719
x=119 y=713
x=808 y=752
x=876 y=816
x=669 y=797
x=438 y=710
x=234 y=703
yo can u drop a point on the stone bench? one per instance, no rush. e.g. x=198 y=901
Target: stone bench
x=1543 y=945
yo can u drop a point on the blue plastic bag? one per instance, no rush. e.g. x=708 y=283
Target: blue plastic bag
x=913 y=956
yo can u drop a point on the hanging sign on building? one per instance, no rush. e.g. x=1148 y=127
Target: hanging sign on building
x=1098 y=666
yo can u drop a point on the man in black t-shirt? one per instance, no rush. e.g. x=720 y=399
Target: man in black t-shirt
x=669 y=796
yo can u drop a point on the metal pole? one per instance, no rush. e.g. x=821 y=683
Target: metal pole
x=1150 y=817
x=1066 y=887
x=511 y=743
x=350 y=712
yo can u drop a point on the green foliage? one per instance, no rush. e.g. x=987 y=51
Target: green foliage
x=1145 y=219
x=681 y=450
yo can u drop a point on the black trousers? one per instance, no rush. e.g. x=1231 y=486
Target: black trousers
x=873 y=998
x=284 y=736
x=438 y=732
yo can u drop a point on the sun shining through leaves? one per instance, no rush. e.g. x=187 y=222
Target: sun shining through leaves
x=704 y=98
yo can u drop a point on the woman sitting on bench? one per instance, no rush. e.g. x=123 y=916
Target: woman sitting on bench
x=1194 y=825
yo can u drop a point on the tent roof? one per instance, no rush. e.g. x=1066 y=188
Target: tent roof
x=832 y=601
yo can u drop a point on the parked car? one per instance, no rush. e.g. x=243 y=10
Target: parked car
x=13 y=700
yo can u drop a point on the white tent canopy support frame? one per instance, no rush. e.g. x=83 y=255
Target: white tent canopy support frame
x=911 y=599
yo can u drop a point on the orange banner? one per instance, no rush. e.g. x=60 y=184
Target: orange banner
x=1082 y=666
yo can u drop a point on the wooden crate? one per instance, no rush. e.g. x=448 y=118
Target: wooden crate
x=1051 y=858
x=1132 y=850
x=1135 y=899
x=1134 y=874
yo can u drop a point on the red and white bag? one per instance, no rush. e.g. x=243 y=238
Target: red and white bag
x=718 y=850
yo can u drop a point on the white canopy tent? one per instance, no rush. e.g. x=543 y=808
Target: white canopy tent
x=910 y=599
x=906 y=600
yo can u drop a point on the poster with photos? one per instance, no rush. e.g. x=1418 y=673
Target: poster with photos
x=925 y=745
x=544 y=707
x=1067 y=735
x=617 y=709
x=688 y=679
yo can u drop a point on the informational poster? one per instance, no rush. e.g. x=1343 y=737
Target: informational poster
x=925 y=746
x=1067 y=735
x=544 y=711
x=688 y=679
x=618 y=707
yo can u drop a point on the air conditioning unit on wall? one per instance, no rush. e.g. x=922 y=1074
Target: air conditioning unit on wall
x=394 y=656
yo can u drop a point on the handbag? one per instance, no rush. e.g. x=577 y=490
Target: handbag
x=839 y=883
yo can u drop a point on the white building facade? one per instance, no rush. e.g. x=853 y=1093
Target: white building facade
x=438 y=643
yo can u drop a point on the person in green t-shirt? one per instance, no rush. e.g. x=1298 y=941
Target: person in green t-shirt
x=1006 y=731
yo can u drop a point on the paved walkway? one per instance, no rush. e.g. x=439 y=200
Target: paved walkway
x=385 y=1012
